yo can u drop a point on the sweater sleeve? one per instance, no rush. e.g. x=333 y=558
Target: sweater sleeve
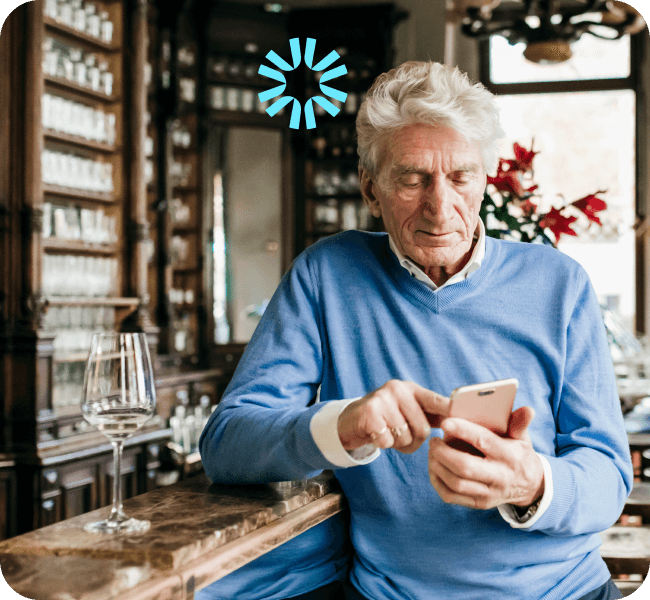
x=260 y=431
x=592 y=469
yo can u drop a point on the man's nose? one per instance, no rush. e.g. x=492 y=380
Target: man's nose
x=437 y=201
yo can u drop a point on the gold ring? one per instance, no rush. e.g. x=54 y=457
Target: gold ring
x=377 y=434
x=397 y=431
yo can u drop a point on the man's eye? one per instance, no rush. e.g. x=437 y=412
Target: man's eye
x=411 y=182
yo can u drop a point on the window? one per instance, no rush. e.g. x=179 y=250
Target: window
x=581 y=116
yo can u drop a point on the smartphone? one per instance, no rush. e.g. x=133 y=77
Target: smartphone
x=488 y=404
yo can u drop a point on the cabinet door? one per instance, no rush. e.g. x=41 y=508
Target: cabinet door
x=78 y=490
x=7 y=504
x=50 y=510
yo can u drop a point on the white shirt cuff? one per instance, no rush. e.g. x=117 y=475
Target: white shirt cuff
x=508 y=512
x=325 y=431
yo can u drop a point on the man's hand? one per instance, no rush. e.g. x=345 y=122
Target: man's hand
x=397 y=415
x=510 y=471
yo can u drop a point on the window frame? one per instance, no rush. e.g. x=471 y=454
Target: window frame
x=639 y=82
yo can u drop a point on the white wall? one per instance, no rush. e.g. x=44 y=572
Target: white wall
x=422 y=35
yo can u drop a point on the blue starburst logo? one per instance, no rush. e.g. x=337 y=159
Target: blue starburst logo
x=310 y=46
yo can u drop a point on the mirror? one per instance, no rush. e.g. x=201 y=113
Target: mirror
x=246 y=234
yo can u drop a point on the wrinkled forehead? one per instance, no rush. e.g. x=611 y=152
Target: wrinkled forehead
x=417 y=145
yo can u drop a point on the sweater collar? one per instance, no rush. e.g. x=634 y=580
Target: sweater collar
x=474 y=262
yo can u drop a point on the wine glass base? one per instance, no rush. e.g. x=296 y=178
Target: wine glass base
x=127 y=526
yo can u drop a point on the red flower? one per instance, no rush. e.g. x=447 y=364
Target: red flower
x=523 y=157
x=590 y=205
x=509 y=180
x=528 y=207
x=557 y=223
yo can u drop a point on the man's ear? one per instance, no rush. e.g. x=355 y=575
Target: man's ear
x=368 y=185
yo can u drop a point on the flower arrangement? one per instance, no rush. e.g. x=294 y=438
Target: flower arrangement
x=509 y=212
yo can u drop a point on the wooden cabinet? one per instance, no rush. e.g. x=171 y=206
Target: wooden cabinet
x=328 y=199
x=77 y=481
x=74 y=235
x=77 y=259
x=126 y=166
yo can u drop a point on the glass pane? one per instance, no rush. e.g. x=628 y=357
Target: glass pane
x=253 y=196
x=220 y=279
x=592 y=58
x=586 y=144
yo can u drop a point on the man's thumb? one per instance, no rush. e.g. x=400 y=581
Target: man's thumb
x=519 y=422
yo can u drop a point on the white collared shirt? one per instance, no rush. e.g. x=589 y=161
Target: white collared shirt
x=474 y=262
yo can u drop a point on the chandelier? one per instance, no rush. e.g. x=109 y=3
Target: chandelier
x=547 y=27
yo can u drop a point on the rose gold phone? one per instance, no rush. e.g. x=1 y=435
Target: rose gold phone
x=488 y=404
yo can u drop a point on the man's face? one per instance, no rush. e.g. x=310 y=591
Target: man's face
x=429 y=190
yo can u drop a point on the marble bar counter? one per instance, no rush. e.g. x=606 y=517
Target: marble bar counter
x=199 y=532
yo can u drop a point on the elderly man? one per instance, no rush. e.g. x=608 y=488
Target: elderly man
x=388 y=325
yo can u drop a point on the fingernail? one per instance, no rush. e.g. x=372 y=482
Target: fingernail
x=449 y=426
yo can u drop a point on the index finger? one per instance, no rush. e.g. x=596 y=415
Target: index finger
x=434 y=405
x=488 y=442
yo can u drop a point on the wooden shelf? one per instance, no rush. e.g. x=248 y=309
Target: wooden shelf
x=185 y=228
x=60 y=244
x=72 y=33
x=92 y=301
x=261 y=84
x=72 y=86
x=57 y=190
x=250 y=118
x=59 y=136
x=71 y=357
x=322 y=197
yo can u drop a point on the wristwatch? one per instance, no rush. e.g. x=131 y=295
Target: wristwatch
x=524 y=513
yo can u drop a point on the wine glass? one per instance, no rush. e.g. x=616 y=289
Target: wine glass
x=118 y=397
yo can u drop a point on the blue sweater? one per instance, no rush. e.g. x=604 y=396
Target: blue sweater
x=349 y=317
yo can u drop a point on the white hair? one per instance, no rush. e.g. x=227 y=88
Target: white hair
x=430 y=93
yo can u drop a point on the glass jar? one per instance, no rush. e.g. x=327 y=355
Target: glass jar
x=50 y=9
x=104 y=82
x=93 y=21
x=110 y=128
x=326 y=215
x=187 y=89
x=94 y=74
x=217 y=97
x=247 y=100
x=78 y=16
x=64 y=12
x=106 y=27
x=79 y=68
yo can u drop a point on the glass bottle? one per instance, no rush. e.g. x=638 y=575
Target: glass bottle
x=106 y=27
x=78 y=16
x=93 y=21
x=94 y=76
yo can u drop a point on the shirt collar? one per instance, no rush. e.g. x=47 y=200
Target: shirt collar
x=474 y=262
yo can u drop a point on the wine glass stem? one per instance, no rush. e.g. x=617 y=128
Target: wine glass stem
x=117 y=514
